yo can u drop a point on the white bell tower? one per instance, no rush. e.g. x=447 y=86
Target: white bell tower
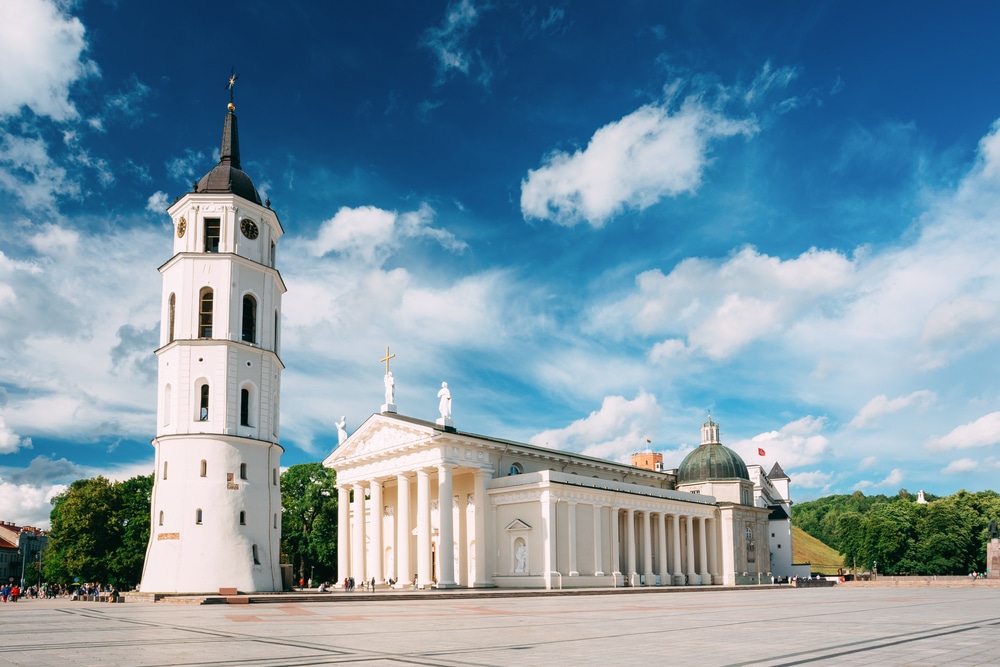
x=216 y=509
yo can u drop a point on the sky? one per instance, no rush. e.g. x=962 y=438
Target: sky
x=598 y=222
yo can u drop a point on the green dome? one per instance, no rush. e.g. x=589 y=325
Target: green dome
x=711 y=461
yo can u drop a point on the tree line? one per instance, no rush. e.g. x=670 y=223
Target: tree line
x=100 y=528
x=898 y=535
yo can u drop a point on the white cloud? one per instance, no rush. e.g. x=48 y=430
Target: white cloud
x=770 y=79
x=449 y=44
x=722 y=306
x=617 y=430
x=157 y=202
x=892 y=481
x=959 y=466
x=881 y=405
x=41 y=49
x=815 y=479
x=868 y=462
x=186 y=167
x=795 y=444
x=27 y=171
x=11 y=442
x=54 y=241
x=983 y=432
x=652 y=153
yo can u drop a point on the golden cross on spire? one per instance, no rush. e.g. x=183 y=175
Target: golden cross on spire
x=386 y=359
x=232 y=82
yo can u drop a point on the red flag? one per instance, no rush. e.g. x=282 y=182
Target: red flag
x=761 y=452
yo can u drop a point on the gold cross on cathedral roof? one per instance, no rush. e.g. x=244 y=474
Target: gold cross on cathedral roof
x=232 y=82
x=386 y=359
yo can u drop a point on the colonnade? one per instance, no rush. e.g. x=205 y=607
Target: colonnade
x=360 y=530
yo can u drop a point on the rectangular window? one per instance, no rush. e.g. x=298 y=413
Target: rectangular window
x=212 y=229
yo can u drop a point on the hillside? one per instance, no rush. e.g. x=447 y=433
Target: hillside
x=807 y=549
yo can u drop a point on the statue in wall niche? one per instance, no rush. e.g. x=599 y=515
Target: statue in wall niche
x=522 y=558
x=444 y=405
x=390 y=388
x=993 y=530
x=341 y=430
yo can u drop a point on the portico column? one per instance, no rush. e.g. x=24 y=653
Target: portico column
x=598 y=543
x=423 y=529
x=358 y=536
x=375 y=552
x=630 y=543
x=676 y=541
x=343 y=533
x=703 y=552
x=549 y=521
x=446 y=528
x=479 y=478
x=573 y=572
x=713 y=550
x=691 y=572
x=615 y=562
x=647 y=549
x=403 y=531
x=661 y=524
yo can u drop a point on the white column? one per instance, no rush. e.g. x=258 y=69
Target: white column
x=661 y=526
x=343 y=534
x=630 y=544
x=549 y=520
x=573 y=572
x=703 y=553
x=598 y=543
x=358 y=536
x=713 y=550
x=403 y=531
x=479 y=478
x=691 y=573
x=615 y=549
x=375 y=555
x=647 y=549
x=676 y=543
x=423 y=530
x=446 y=528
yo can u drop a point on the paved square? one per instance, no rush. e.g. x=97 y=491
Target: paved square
x=837 y=626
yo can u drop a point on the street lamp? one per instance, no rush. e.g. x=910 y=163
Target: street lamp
x=23 y=553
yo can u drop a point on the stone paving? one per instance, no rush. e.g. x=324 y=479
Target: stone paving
x=785 y=626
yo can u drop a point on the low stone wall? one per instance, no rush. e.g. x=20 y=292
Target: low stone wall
x=925 y=581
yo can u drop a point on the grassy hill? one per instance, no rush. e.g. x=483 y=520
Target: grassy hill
x=807 y=549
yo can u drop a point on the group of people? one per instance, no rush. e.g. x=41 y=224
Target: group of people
x=10 y=592
x=349 y=584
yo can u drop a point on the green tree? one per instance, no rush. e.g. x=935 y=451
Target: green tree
x=99 y=531
x=309 y=519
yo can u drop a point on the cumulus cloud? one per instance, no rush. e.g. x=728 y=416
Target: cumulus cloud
x=815 y=479
x=28 y=172
x=618 y=429
x=959 y=466
x=881 y=405
x=11 y=442
x=867 y=462
x=795 y=444
x=892 y=481
x=371 y=233
x=157 y=202
x=652 y=153
x=722 y=306
x=983 y=432
x=42 y=51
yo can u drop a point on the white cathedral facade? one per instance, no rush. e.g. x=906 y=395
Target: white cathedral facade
x=216 y=505
x=426 y=505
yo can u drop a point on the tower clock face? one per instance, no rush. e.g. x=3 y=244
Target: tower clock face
x=249 y=228
x=181 y=227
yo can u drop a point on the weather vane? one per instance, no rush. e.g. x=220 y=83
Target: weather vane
x=232 y=82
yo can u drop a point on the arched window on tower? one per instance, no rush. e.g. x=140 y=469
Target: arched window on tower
x=205 y=313
x=161 y=517
x=203 y=406
x=243 y=517
x=164 y=470
x=244 y=407
x=272 y=254
x=166 y=405
x=197 y=516
x=256 y=555
x=277 y=321
x=212 y=233
x=243 y=471
x=171 y=306
x=203 y=472
x=249 y=319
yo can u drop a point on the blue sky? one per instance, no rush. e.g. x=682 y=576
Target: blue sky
x=597 y=223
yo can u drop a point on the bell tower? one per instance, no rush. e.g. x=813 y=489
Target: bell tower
x=216 y=507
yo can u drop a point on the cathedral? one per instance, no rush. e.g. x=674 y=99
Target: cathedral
x=421 y=504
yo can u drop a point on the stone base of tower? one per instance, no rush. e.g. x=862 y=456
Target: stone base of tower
x=216 y=516
x=993 y=559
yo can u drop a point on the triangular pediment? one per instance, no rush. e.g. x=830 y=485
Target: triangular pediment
x=517 y=524
x=379 y=433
